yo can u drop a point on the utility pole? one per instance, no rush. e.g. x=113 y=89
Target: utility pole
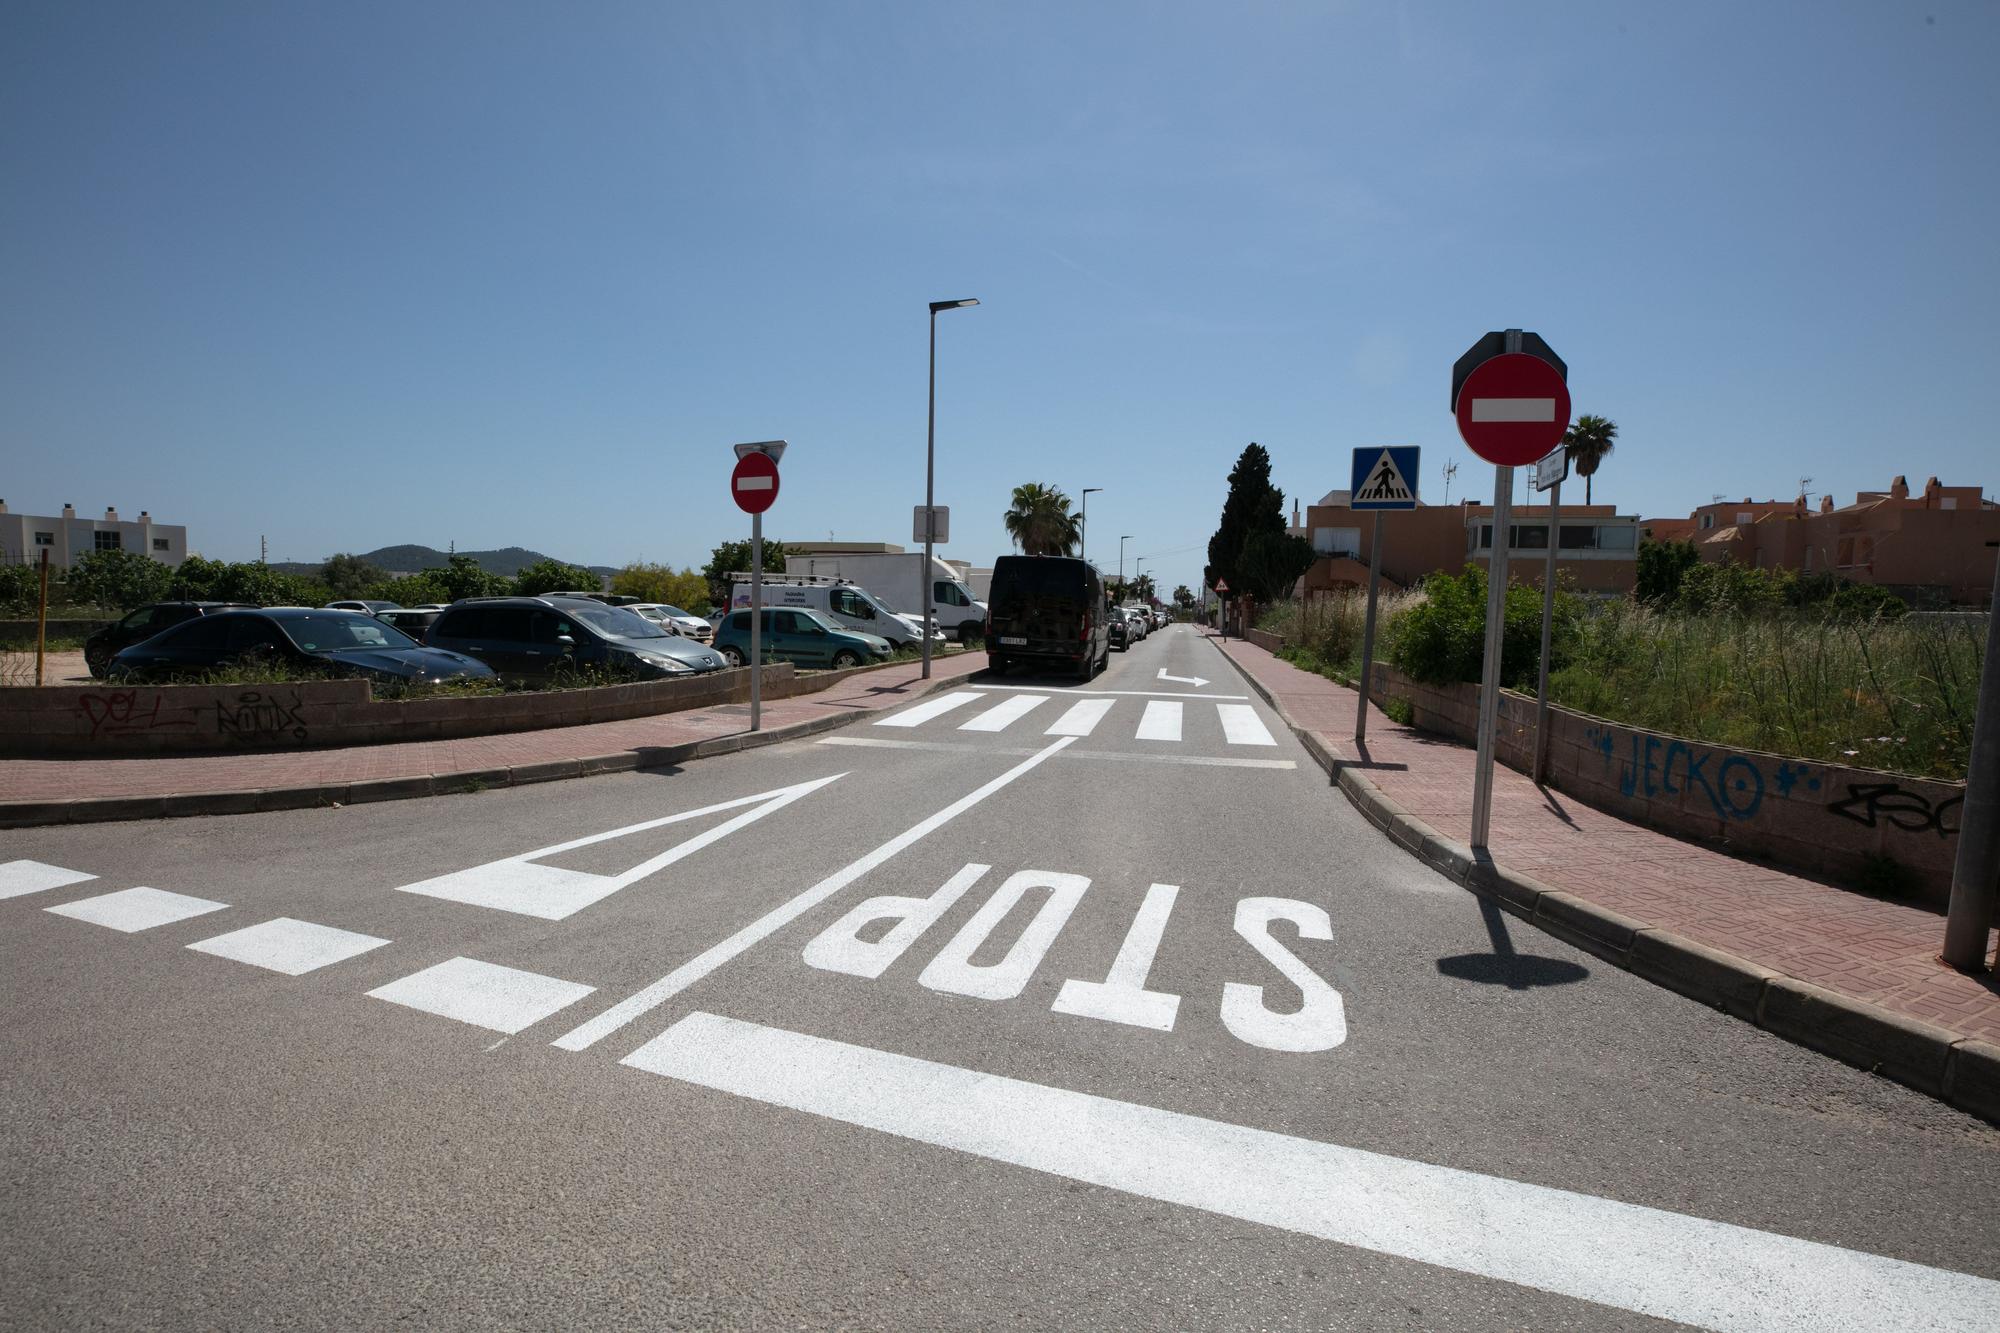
x=1976 y=871
x=263 y=551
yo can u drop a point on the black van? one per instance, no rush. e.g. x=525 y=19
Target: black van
x=1047 y=609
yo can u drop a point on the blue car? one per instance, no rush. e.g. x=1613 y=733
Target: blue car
x=333 y=643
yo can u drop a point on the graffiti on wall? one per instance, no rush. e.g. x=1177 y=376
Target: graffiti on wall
x=1733 y=784
x=260 y=716
x=1904 y=809
x=122 y=712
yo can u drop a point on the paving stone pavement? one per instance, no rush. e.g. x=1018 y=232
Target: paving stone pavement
x=1868 y=948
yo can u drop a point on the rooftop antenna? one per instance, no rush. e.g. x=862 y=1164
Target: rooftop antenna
x=1804 y=482
x=1450 y=471
x=1716 y=498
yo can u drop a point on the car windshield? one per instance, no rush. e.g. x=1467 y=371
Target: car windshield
x=336 y=631
x=823 y=620
x=616 y=621
x=673 y=611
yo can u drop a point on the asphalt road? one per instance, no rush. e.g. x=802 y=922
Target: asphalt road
x=1048 y=1006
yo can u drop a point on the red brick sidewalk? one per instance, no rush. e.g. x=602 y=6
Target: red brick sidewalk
x=23 y=780
x=1883 y=953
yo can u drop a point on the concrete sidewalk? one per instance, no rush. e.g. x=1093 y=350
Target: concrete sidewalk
x=1855 y=976
x=69 y=790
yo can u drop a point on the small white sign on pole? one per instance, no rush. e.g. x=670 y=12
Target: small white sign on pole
x=939 y=530
x=1552 y=470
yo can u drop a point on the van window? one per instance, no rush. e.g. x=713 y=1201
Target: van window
x=948 y=594
x=847 y=602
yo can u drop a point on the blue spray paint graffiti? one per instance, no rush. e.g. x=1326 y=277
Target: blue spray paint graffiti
x=1662 y=766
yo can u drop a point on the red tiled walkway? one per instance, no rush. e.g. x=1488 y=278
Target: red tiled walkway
x=84 y=779
x=1882 y=952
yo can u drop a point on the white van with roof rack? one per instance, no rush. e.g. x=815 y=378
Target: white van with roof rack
x=848 y=603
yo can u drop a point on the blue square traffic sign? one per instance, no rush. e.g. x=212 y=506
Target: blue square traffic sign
x=1385 y=477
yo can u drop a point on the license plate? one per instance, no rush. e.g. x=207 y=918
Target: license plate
x=1013 y=643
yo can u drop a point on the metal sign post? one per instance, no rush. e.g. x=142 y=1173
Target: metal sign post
x=754 y=485
x=1977 y=868
x=1222 y=608
x=1510 y=394
x=42 y=620
x=1549 y=474
x=1381 y=478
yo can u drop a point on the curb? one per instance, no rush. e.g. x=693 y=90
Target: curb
x=109 y=809
x=1963 y=1072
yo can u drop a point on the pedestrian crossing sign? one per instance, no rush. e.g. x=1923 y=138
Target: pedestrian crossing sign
x=1385 y=477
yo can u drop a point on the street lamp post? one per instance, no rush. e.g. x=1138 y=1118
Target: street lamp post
x=1088 y=491
x=930 y=479
x=1121 y=562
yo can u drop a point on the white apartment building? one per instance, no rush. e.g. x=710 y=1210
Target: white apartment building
x=23 y=537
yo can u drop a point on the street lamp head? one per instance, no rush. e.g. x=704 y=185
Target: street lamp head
x=952 y=305
x=1092 y=490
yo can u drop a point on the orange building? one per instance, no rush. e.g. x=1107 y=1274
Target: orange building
x=1597 y=547
x=1931 y=549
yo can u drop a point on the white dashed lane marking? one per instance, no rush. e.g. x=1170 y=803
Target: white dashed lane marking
x=132 y=910
x=19 y=877
x=291 y=947
x=502 y=999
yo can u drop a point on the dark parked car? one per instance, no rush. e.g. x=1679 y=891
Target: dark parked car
x=1047 y=609
x=535 y=639
x=413 y=621
x=143 y=624
x=338 y=643
x=1120 y=628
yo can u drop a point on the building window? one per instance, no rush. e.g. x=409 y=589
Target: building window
x=1530 y=537
x=1616 y=539
x=159 y=543
x=109 y=541
x=45 y=539
x=1947 y=502
x=1337 y=541
x=1744 y=518
x=1707 y=522
x=1579 y=537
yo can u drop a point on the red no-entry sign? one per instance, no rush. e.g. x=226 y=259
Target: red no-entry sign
x=754 y=483
x=1513 y=409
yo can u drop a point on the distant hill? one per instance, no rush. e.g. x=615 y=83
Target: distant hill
x=408 y=559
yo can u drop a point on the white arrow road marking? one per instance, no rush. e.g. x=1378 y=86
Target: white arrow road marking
x=687 y=974
x=1195 y=681
x=518 y=884
x=1669 y=1265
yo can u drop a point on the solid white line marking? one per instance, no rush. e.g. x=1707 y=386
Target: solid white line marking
x=678 y=980
x=1006 y=713
x=1082 y=717
x=1161 y=722
x=520 y=884
x=501 y=999
x=137 y=909
x=1115 y=756
x=1242 y=726
x=1513 y=409
x=918 y=714
x=1123 y=694
x=1669 y=1265
x=288 y=946
x=19 y=877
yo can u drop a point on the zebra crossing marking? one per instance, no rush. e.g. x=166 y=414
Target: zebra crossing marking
x=486 y=995
x=19 y=877
x=918 y=714
x=1161 y=721
x=1082 y=718
x=1242 y=726
x=1005 y=713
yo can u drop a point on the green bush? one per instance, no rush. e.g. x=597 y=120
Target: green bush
x=122 y=579
x=411 y=589
x=203 y=580
x=20 y=589
x=1442 y=639
x=554 y=576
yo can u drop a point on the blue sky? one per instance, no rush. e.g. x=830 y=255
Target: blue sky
x=497 y=273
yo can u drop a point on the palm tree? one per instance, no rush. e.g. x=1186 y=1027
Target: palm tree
x=1589 y=442
x=1040 y=522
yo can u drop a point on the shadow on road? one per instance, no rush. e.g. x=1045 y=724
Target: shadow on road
x=1504 y=967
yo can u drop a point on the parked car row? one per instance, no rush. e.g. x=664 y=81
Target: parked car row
x=534 y=640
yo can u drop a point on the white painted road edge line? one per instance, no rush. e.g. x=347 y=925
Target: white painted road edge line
x=678 y=980
x=1669 y=1265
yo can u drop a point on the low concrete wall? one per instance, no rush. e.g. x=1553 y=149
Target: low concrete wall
x=113 y=720
x=1264 y=639
x=1824 y=819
